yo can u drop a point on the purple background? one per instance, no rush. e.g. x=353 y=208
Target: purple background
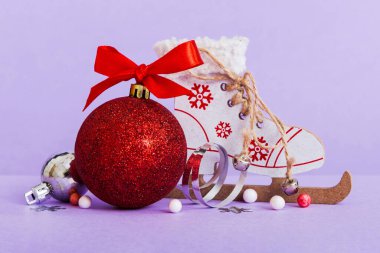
x=316 y=63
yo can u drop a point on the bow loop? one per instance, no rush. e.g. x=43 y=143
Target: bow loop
x=110 y=62
x=118 y=67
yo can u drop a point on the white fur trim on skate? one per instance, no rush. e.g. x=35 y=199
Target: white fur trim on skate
x=230 y=51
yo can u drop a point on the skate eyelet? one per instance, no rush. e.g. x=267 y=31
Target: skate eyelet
x=229 y=103
x=242 y=116
x=223 y=86
x=259 y=124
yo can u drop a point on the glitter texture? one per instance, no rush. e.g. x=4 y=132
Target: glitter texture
x=130 y=152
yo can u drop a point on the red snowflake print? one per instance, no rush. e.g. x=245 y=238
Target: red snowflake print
x=223 y=129
x=201 y=96
x=256 y=152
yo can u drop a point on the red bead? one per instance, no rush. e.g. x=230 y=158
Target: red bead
x=304 y=200
x=74 y=198
x=130 y=152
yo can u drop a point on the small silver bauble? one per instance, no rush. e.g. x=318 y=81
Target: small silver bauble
x=290 y=186
x=241 y=162
x=56 y=181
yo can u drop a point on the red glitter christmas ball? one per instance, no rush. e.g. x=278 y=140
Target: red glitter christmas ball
x=130 y=152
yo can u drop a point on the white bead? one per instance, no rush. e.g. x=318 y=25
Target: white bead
x=277 y=202
x=84 y=202
x=250 y=195
x=175 y=206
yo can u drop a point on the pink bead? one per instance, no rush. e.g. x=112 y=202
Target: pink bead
x=304 y=200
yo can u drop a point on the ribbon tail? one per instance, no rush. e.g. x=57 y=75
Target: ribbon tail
x=102 y=86
x=162 y=87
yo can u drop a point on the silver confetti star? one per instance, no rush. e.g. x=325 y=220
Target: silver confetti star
x=47 y=208
x=234 y=209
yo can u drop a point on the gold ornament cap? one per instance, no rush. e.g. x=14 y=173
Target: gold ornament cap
x=139 y=91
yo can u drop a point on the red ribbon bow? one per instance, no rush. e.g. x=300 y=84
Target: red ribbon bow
x=119 y=68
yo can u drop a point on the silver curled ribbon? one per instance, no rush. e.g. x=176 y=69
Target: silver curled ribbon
x=191 y=177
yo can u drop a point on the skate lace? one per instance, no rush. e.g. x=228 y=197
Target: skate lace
x=252 y=104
